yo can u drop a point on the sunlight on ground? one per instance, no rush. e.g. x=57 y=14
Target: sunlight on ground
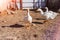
x=3 y=4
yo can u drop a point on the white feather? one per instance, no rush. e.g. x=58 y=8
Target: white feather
x=28 y=18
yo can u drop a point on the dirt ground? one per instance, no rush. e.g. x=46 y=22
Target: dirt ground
x=12 y=27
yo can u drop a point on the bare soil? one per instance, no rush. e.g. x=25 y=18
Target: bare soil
x=12 y=27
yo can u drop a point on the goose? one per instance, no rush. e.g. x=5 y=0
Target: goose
x=41 y=11
x=28 y=19
x=48 y=14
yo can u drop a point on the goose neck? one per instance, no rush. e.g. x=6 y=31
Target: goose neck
x=41 y=11
x=28 y=12
x=46 y=9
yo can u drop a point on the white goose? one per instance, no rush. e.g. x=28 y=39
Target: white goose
x=28 y=19
x=48 y=14
x=41 y=11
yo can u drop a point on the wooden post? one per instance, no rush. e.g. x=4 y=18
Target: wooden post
x=38 y=4
x=33 y=3
x=16 y=5
x=21 y=4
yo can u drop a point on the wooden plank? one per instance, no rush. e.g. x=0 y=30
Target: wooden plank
x=21 y=4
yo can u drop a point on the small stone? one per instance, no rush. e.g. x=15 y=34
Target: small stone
x=4 y=21
x=33 y=25
x=35 y=35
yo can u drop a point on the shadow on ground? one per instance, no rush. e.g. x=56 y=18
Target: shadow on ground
x=40 y=18
x=37 y=22
x=14 y=26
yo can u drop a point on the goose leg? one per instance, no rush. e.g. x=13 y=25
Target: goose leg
x=28 y=26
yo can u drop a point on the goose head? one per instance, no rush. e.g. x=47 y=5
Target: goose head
x=46 y=9
x=41 y=11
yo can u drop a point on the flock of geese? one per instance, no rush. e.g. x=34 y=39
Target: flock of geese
x=48 y=14
x=28 y=18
